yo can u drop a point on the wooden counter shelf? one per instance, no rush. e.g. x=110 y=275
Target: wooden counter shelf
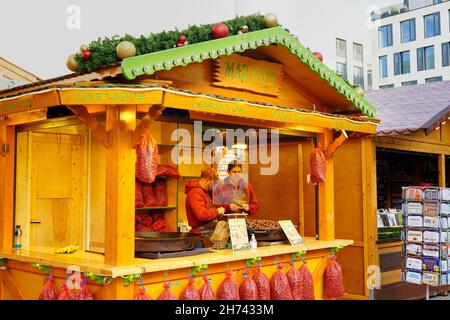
x=94 y=262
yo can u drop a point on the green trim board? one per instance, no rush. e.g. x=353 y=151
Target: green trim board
x=150 y=63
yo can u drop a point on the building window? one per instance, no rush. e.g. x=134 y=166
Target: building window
x=434 y=79
x=358 y=76
x=409 y=83
x=341 y=48
x=385 y=36
x=341 y=68
x=387 y=86
x=425 y=58
x=432 y=25
x=358 y=52
x=446 y=54
x=408 y=30
x=437 y=1
x=369 y=79
x=383 y=67
x=402 y=63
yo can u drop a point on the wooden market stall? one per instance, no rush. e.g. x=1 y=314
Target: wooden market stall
x=69 y=159
x=411 y=147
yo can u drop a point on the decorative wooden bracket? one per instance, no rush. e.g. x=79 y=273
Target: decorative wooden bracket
x=98 y=131
x=153 y=113
x=195 y=270
x=105 y=280
x=127 y=280
x=331 y=149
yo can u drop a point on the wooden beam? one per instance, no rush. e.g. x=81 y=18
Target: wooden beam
x=91 y=122
x=11 y=285
x=153 y=113
x=326 y=193
x=7 y=187
x=26 y=117
x=301 y=199
x=120 y=176
x=442 y=170
x=369 y=201
x=336 y=144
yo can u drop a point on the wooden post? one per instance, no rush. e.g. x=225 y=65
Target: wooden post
x=6 y=186
x=120 y=185
x=369 y=200
x=326 y=193
x=441 y=165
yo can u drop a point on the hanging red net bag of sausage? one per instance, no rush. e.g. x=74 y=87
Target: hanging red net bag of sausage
x=142 y=295
x=279 y=285
x=306 y=283
x=190 y=291
x=138 y=196
x=166 y=294
x=160 y=188
x=149 y=196
x=49 y=291
x=262 y=284
x=228 y=290
x=318 y=164
x=334 y=280
x=293 y=276
x=206 y=292
x=146 y=158
x=248 y=289
x=66 y=293
x=84 y=293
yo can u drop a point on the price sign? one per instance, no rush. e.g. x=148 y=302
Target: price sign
x=238 y=234
x=291 y=232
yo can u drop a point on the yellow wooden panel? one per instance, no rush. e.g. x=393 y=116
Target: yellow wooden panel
x=309 y=196
x=351 y=260
x=348 y=191
x=97 y=195
x=392 y=276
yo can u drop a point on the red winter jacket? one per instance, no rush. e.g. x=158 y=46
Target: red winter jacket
x=199 y=207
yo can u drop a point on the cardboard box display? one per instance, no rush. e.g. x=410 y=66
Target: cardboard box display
x=413 y=277
x=431 y=250
x=412 y=193
x=414 y=221
x=431 y=194
x=444 y=223
x=413 y=208
x=431 y=222
x=431 y=209
x=414 y=263
x=414 y=249
x=430 y=278
x=431 y=236
x=414 y=236
x=431 y=264
x=445 y=194
x=445 y=209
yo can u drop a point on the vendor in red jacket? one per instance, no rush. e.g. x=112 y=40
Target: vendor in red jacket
x=199 y=207
x=235 y=194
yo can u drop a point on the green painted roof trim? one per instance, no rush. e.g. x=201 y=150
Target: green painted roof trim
x=148 y=64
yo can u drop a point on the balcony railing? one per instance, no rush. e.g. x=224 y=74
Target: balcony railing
x=407 y=6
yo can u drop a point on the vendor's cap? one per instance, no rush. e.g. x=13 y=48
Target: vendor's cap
x=209 y=173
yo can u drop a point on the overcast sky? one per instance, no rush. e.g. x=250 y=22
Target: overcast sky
x=35 y=36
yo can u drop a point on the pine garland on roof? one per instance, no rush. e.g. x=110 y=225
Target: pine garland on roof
x=103 y=51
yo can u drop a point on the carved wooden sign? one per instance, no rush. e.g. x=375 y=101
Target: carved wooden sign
x=240 y=72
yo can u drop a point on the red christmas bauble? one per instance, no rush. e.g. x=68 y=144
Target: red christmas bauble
x=220 y=30
x=318 y=55
x=181 y=39
x=86 y=54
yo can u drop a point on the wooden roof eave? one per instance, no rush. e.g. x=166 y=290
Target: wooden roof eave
x=298 y=119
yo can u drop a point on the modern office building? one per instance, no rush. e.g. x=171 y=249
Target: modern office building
x=411 y=44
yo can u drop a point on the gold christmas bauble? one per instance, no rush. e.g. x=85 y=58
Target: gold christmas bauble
x=125 y=49
x=83 y=47
x=72 y=63
x=360 y=91
x=270 y=20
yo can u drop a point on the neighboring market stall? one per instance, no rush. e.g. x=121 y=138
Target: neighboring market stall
x=68 y=149
x=411 y=147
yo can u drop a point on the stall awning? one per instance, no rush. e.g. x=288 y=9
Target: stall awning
x=406 y=110
x=149 y=94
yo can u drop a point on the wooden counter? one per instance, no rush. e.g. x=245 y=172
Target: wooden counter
x=94 y=262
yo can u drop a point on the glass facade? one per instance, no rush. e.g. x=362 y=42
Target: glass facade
x=432 y=25
x=402 y=63
x=446 y=54
x=383 y=67
x=385 y=36
x=358 y=76
x=341 y=68
x=425 y=58
x=408 y=30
